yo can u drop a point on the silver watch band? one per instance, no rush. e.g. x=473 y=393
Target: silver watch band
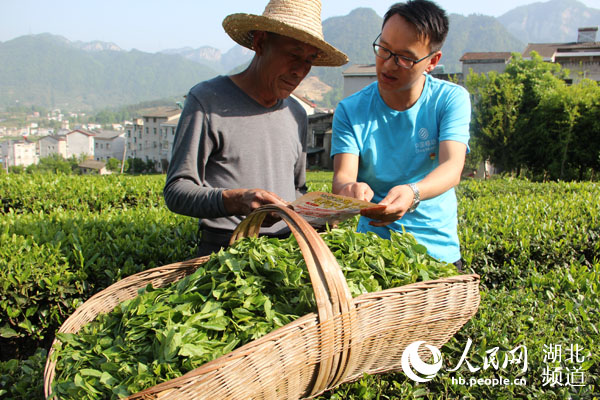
x=416 y=197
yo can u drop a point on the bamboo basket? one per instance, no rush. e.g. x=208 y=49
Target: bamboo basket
x=344 y=339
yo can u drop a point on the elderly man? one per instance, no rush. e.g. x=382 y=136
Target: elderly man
x=402 y=140
x=241 y=140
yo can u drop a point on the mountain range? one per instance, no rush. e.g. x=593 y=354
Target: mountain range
x=50 y=71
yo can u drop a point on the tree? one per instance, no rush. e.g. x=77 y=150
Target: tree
x=136 y=166
x=538 y=79
x=113 y=164
x=587 y=145
x=529 y=120
x=568 y=120
x=496 y=100
x=150 y=166
x=53 y=163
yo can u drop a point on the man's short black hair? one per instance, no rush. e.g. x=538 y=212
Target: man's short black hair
x=430 y=20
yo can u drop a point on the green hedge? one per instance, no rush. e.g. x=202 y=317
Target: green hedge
x=64 y=238
x=535 y=245
x=509 y=228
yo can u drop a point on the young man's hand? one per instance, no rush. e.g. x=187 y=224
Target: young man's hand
x=397 y=202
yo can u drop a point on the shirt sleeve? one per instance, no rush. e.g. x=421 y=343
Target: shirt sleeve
x=343 y=138
x=186 y=191
x=455 y=120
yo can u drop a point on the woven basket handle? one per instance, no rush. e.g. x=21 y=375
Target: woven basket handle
x=331 y=290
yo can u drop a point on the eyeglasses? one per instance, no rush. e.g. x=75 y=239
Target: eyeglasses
x=401 y=61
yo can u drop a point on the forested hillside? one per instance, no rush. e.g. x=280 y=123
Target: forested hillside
x=48 y=71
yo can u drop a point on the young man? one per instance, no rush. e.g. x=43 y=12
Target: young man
x=241 y=140
x=402 y=140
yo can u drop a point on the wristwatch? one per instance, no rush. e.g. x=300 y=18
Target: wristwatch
x=416 y=197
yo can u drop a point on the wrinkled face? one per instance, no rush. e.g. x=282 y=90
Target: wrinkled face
x=400 y=37
x=284 y=62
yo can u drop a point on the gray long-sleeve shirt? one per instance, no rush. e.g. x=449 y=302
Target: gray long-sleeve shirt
x=227 y=140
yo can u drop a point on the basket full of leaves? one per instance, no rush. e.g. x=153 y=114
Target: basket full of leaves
x=256 y=321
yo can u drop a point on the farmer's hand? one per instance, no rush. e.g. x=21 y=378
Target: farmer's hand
x=244 y=201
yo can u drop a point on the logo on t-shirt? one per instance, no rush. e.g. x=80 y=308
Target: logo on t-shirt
x=425 y=144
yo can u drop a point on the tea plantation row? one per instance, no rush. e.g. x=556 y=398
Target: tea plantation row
x=535 y=245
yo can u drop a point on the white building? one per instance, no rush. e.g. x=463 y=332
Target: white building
x=18 y=153
x=4 y=154
x=308 y=105
x=54 y=144
x=144 y=135
x=80 y=144
x=357 y=77
x=109 y=144
x=167 y=137
x=581 y=58
x=484 y=62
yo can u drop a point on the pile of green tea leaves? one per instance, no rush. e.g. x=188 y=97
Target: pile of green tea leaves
x=240 y=294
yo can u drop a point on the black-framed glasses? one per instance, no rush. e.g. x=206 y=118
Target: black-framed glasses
x=401 y=61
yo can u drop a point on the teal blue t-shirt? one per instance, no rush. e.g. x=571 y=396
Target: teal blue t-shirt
x=400 y=147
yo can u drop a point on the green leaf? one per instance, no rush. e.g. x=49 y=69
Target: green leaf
x=90 y=372
x=7 y=332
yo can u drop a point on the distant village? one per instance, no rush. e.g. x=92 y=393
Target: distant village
x=150 y=136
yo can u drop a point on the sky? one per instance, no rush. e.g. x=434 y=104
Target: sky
x=154 y=25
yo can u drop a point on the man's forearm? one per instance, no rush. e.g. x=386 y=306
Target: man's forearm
x=338 y=184
x=443 y=178
x=183 y=196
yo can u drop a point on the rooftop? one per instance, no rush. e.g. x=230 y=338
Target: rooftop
x=359 y=70
x=549 y=50
x=171 y=122
x=81 y=131
x=108 y=135
x=161 y=112
x=496 y=56
x=92 y=164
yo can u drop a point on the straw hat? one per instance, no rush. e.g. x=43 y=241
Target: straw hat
x=297 y=19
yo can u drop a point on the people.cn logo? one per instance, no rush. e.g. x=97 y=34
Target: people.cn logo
x=411 y=360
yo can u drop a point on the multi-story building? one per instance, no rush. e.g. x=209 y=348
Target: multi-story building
x=145 y=138
x=20 y=152
x=53 y=144
x=167 y=137
x=109 y=144
x=581 y=58
x=80 y=144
